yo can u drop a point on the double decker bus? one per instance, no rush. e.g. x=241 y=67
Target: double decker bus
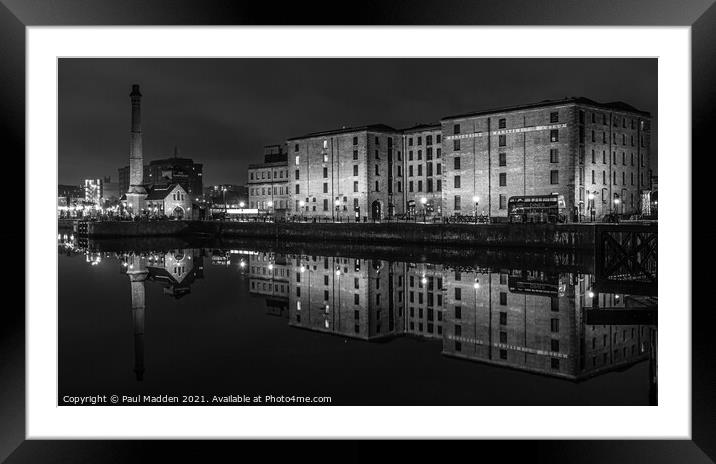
x=537 y=209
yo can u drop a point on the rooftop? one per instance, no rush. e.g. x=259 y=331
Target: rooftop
x=346 y=130
x=422 y=127
x=614 y=106
x=160 y=192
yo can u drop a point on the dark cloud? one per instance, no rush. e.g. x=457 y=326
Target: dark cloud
x=222 y=111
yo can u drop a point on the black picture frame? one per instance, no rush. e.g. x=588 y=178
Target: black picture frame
x=16 y=15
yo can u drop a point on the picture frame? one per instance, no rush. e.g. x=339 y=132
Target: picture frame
x=16 y=15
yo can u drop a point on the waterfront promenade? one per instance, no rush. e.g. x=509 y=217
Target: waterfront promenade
x=577 y=236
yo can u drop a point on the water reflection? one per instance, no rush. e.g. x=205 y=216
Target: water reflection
x=529 y=320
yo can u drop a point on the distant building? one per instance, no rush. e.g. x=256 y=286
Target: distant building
x=231 y=194
x=176 y=170
x=268 y=182
x=110 y=190
x=182 y=171
x=93 y=191
x=70 y=195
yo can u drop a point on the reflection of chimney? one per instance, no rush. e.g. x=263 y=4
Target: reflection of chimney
x=137 y=273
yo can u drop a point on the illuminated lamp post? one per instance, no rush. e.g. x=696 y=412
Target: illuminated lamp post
x=590 y=197
x=476 y=200
x=424 y=202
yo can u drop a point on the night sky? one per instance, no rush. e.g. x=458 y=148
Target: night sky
x=221 y=112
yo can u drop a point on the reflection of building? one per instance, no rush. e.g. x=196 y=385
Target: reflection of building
x=356 y=298
x=527 y=320
x=347 y=173
x=269 y=278
x=532 y=321
x=175 y=271
x=268 y=182
x=424 y=302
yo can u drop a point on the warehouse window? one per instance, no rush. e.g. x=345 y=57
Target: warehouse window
x=298 y=159
x=554 y=116
x=355 y=140
x=355 y=169
x=503 y=179
x=355 y=154
x=325 y=173
x=554 y=177
x=554 y=155
x=325 y=187
x=457 y=182
x=502 y=123
x=502 y=140
x=456 y=145
x=457 y=203
x=355 y=185
x=456 y=161
x=503 y=201
x=325 y=208
x=456 y=129
x=503 y=159
x=554 y=135
x=298 y=188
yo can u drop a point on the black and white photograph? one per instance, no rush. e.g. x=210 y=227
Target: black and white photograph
x=327 y=232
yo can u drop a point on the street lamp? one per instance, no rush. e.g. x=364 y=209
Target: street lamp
x=301 y=204
x=476 y=200
x=223 y=190
x=241 y=204
x=590 y=197
x=424 y=201
x=338 y=208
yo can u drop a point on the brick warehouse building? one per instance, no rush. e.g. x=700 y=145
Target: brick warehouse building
x=422 y=146
x=268 y=182
x=347 y=173
x=594 y=154
x=575 y=147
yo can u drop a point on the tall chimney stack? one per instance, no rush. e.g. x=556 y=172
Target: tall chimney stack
x=137 y=192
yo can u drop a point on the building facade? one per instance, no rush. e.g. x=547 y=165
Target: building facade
x=422 y=146
x=596 y=155
x=268 y=183
x=171 y=201
x=347 y=174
